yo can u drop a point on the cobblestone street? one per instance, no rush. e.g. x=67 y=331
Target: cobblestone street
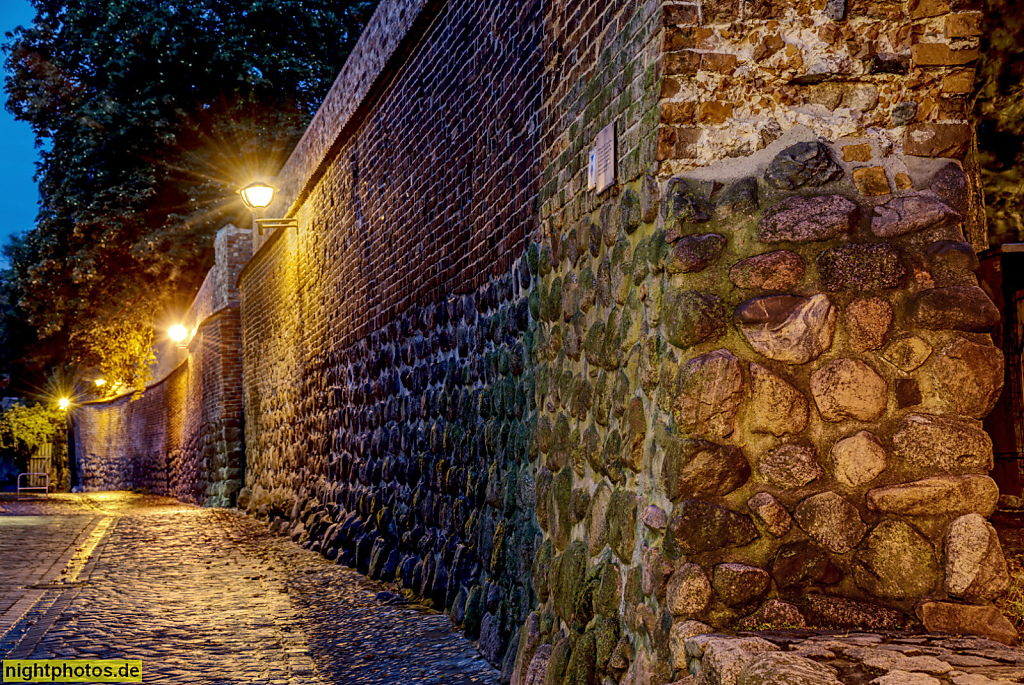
x=206 y=596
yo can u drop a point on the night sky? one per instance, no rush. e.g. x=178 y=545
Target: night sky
x=17 y=148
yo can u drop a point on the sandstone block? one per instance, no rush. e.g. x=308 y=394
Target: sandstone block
x=807 y=219
x=912 y=213
x=945 y=445
x=867 y=323
x=708 y=393
x=831 y=521
x=786 y=328
x=941 y=55
x=858 y=459
x=969 y=377
x=790 y=466
x=937 y=140
x=871 y=181
x=779 y=270
x=771 y=513
x=776 y=407
x=849 y=389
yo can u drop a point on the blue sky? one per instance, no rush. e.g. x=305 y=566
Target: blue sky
x=17 y=150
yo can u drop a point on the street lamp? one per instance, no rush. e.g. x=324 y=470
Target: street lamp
x=179 y=334
x=257 y=195
x=64 y=403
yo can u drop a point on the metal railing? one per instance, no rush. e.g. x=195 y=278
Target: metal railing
x=31 y=486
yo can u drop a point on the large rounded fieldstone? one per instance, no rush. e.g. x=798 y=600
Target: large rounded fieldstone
x=698 y=526
x=804 y=164
x=622 y=524
x=867 y=323
x=807 y=219
x=776 y=407
x=708 y=393
x=858 y=459
x=739 y=584
x=947 y=446
x=694 y=253
x=956 y=307
x=787 y=328
x=688 y=592
x=952 y=263
x=969 y=377
x=912 y=213
x=860 y=267
x=937 y=496
x=597 y=519
x=771 y=513
x=690 y=317
x=568 y=573
x=700 y=468
x=779 y=270
x=802 y=562
x=740 y=196
x=780 y=668
x=790 y=466
x=831 y=521
x=849 y=389
x=975 y=566
x=896 y=562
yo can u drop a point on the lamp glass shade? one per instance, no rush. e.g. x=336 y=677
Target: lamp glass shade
x=257 y=195
x=177 y=333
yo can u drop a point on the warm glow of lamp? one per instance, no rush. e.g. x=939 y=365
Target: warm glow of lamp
x=177 y=333
x=257 y=195
x=100 y=382
x=64 y=403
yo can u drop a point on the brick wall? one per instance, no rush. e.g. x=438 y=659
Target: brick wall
x=718 y=394
x=183 y=436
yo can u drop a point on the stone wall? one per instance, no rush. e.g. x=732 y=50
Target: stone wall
x=741 y=388
x=183 y=435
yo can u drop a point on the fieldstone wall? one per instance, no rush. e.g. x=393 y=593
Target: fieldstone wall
x=741 y=388
x=183 y=436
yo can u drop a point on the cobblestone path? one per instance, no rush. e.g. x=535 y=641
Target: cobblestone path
x=206 y=596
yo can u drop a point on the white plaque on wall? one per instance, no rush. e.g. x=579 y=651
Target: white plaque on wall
x=604 y=158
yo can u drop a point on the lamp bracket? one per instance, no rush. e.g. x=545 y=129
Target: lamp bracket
x=274 y=224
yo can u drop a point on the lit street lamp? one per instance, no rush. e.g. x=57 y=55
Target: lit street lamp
x=257 y=195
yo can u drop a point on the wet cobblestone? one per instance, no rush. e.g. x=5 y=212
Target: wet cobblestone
x=207 y=596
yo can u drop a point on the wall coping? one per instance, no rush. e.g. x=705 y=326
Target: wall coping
x=384 y=45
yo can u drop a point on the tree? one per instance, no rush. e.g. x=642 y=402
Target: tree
x=149 y=115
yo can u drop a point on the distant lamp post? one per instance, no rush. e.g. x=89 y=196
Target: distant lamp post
x=179 y=334
x=100 y=382
x=64 y=403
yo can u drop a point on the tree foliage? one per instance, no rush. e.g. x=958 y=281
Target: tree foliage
x=149 y=116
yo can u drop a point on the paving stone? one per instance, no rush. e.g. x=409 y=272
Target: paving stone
x=780 y=668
